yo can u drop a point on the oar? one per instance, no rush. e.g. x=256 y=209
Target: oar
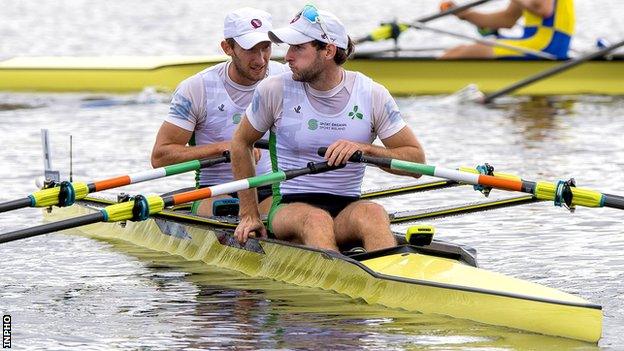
x=67 y=193
x=408 y=189
x=141 y=207
x=436 y=184
x=484 y=41
x=432 y=213
x=562 y=192
x=392 y=30
x=550 y=72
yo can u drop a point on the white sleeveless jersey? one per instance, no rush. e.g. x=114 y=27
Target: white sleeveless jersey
x=222 y=118
x=302 y=130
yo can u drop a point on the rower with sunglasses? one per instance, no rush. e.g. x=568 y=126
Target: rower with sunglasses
x=320 y=104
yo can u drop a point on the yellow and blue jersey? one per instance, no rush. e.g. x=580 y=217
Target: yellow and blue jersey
x=551 y=34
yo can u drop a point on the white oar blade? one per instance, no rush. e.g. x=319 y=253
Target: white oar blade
x=467 y=94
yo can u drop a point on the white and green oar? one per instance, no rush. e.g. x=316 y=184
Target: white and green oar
x=562 y=192
x=140 y=207
x=66 y=193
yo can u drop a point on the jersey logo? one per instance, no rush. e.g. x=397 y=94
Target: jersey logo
x=353 y=114
x=221 y=107
x=313 y=124
x=236 y=118
x=297 y=109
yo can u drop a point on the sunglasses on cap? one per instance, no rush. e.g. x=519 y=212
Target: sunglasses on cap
x=310 y=12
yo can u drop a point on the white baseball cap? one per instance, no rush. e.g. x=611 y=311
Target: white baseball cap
x=248 y=26
x=312 y=24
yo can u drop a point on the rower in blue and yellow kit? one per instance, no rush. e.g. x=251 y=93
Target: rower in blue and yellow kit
x=548 y=27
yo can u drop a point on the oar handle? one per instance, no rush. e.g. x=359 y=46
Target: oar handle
x=356 y=157
x=262 y=144
x=208 y=162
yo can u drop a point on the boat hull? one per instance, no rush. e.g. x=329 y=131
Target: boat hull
x=401 y=75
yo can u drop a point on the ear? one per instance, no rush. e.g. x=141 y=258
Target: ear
x=227 y=49
x=330 y=51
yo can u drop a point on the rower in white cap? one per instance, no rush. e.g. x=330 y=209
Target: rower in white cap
x=207 y=107
x=320 y=104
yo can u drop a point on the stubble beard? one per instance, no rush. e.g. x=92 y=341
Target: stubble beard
x=246 y=72
x=310 y=74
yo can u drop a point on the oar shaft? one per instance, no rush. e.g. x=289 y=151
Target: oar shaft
x=387 y=33
x=51 y=196
x=550 y=72
x=410 y=216
x=157 y=173
x=452 y=11
x=614 y=201
x=15 y=204
x=540 y=54
x=541 y=190
x=244 y=184
x=408 y=189
x=52 y=227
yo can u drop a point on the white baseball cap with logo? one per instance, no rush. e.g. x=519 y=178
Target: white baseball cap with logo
x=312 y=24
x=248 y=26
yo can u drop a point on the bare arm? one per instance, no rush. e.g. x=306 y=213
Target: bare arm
x=542 y=8
x=170 y=147
x=506 y=18
x=243 y=167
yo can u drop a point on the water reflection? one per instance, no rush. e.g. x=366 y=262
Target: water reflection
x=537 y=118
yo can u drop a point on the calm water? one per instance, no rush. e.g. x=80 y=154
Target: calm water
x=71 y=292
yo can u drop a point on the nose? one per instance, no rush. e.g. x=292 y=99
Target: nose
x=289 y=55
x=261 y=56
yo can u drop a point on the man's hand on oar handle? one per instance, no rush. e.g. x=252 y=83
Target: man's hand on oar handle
x=250 y=226
x=340 y=151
